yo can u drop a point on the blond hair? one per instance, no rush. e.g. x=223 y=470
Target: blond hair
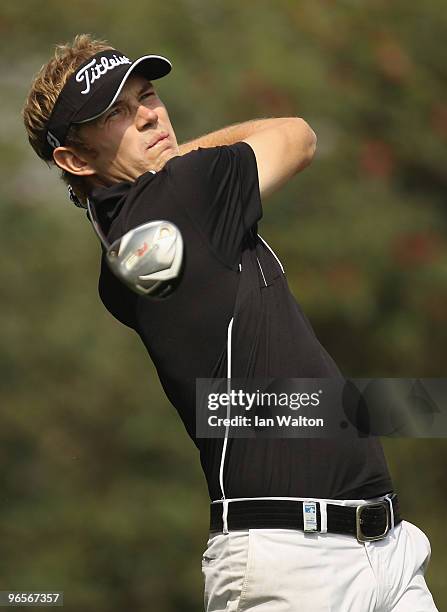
x=45 y=89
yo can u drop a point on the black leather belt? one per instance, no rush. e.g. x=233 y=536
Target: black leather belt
x=368 y=522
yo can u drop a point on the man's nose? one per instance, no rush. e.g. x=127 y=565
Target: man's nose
x=145 y=117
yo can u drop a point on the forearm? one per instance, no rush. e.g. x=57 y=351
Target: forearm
x=231 y=134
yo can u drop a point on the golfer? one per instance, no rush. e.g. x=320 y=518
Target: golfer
x=296 y=525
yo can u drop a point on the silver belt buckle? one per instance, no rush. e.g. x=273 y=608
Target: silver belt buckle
x=361 y=537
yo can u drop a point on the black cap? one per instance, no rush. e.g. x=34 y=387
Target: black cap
x=94 y=87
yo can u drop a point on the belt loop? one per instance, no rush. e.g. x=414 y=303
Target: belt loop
x=390 y=503
x=323 y=517
x=225 y=516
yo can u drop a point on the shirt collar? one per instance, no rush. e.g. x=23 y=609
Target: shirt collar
x=109 y=200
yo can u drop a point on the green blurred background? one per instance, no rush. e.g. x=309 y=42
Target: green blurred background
x=101 y=493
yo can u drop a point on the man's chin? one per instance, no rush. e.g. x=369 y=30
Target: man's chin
x=164 y=157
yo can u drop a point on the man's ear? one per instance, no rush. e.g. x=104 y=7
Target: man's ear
x=67 y=159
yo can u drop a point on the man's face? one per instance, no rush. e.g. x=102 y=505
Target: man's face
x=135 y=135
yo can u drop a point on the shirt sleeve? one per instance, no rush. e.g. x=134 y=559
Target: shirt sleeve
x=118 y=299
x=221 y=189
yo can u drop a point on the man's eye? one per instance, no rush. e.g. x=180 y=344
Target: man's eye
x=147 y=95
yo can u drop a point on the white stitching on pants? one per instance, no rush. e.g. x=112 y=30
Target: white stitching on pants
x=248 y=567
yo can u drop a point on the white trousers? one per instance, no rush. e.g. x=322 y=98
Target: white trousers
x=285 y=570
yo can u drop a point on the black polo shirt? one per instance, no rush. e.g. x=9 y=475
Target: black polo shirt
x=212 y=195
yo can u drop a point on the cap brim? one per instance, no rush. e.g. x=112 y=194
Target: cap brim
x=150 y=66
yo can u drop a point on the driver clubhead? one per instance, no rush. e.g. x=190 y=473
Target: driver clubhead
x=147 y=256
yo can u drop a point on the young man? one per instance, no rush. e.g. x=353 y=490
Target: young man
x=226 y=312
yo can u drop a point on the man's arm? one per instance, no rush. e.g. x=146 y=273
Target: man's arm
x=229 y=135
x=281 y=152
x=283 y=147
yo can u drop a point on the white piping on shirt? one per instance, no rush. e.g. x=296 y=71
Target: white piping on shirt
x=262 y=272
x=224 y=446
x=272 y=252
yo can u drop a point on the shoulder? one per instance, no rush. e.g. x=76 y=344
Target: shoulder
x=210 y=154
x=212 y=162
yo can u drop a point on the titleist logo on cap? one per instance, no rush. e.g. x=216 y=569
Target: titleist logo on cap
x=94 y=70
